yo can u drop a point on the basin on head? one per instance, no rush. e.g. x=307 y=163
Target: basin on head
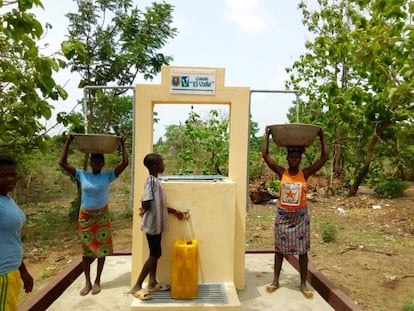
x=295 y=134
x=96 y=143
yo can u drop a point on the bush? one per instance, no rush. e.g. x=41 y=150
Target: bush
x=408 y=307
x=329 y=232
x=274 y=185
x=391 y=189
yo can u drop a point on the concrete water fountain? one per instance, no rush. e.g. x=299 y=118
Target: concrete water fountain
x=217 y=204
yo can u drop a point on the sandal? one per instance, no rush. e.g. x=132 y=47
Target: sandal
x=142 y=294
x=271 y=288
x=307 y=293
x=158 y=288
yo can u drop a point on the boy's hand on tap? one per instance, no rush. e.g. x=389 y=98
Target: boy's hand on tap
x=141 y=212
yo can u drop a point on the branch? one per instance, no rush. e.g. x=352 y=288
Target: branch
x=330 y=269
x=363 y=248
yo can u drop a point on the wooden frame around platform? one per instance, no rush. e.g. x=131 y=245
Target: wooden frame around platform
x=336 y=298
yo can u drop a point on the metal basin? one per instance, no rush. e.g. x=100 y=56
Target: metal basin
x=295 y=134
x=96 y=143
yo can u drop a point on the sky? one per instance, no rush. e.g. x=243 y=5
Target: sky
x=253 y=40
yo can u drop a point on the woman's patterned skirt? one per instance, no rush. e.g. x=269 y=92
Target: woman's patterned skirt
x=292 y=231
x=94 y=229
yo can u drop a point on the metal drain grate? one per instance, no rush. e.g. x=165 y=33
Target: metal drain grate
x=212 y=293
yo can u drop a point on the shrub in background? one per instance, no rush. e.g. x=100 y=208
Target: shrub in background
x=274 y=185
x=408 y=307
x=391 y=189
x=329 y=232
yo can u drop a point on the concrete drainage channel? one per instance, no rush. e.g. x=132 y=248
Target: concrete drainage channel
x=212 y=293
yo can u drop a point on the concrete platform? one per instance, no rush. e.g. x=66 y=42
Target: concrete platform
x=259 y=273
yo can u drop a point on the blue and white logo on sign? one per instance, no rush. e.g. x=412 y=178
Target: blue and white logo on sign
x=192 y=81
x=185 y=81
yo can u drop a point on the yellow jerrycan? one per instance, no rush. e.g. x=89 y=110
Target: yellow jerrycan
x=184 y=269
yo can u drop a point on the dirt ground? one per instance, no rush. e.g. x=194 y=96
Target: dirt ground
x=371 y=259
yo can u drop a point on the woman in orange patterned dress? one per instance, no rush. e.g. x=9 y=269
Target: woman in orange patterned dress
x=292 y=223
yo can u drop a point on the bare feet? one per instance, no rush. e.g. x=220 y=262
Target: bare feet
x=271 y=288
x=84 y=291
x=96 y=289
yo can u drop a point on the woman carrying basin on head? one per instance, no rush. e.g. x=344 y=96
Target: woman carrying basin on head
x=94 y=224
x=292 y=223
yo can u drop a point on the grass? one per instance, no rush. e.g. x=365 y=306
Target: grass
x=385 y=235
x=329 y=232
x=408 y=307
x=46 y=224
x=259 y=227
x=45 y=273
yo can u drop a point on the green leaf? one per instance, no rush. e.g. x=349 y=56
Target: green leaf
x=67 y=49
x=47 y=82
x=61 y=91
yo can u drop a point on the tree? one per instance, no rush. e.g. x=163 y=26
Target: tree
x=357 y=77
x=110 y=43
x=197 y=147
x=257 y=167
x=26 y=81
x=116 y=113
x=201 y=146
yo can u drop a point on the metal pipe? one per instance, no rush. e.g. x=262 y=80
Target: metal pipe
x=283 y=92
x=85 y=99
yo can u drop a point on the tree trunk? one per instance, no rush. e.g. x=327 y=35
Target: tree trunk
x=105 y=123
x=364 y=170
x=337 y=158
x=399 y=170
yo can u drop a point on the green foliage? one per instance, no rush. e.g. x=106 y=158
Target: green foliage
x=48 y=221
x=26 y=80
x=110 y=43
x=357 y=79
x=126 y=214
x=257 y=167
x=394 y=159
x=198 y=147
x=408 y=307
x=73 y=210
x=328 y=232
x=274 y=185
x=115 y=115
x=73 y=120
x=391 y=189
